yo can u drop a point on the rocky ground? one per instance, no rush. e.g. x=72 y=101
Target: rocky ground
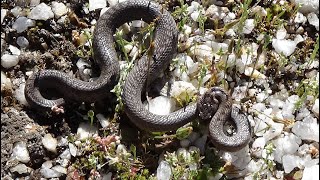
x=265 y=53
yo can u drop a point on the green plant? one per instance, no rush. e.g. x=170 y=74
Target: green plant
x=305 y=88
x=91 y=116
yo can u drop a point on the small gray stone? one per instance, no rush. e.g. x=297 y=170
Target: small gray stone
x=22 y=23
x=20 y=169
x=22 y=42
x=66 y=154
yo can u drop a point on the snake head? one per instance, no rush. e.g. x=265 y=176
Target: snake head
x=208 y=104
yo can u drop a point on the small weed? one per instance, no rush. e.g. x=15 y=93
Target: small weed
x=305 y=88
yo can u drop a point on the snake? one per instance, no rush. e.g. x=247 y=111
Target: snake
x=215 y=105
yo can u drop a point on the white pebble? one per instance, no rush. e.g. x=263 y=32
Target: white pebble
x=257 y=146
x=289 y=162
x=82 y=63
x=311 y=172
x=261 y=96
x=229 y=17
x=307 y=5
x=65 y=154
x=281 y=33
x=50 y=173
x=217 y=12
x=5 y=81
x=260 y=11
x=8 y=60
x=22 y=42
x=243 y=158
x=164 y=171
x=194 y=16
x=276 y=103
x=34 y=2
x=284 y=46
x=313 y=20
x=194 y=7
x=161 y=105
x=14 y=50
x=315 y=107
x=248 y=26
x=3 y=14
x=86 y=130
x=59 y=9
x=59 y=169
x=274 y=131
x=16 y=11
x=181 y=90
x=46 y=165
x=303 y=112
x=287 y=144
x=127 y=48
x=254 y=166
x=192 y=66
x=183 y=155
x=103 y=10
x=260 y=127
x=114 y=2
x=307 y=161
x=250 y=72
x=308 y=129
x=137 y=24
x=97 y=4
x=19 y=94
x=22 y=23
x=187 y=30
x=50 y=143
x=216 y=47
x=20 y=169
x=202 y=52
x=41 y=12
x=73 y=149
x=121 y=149
x=104 y=122
x=298 y=39
x=20 y=152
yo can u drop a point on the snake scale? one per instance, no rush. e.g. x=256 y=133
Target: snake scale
x=214 y=105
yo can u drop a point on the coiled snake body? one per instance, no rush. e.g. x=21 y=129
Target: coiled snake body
x=214 y=105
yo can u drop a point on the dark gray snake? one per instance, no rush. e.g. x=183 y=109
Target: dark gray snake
x=214 y=105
